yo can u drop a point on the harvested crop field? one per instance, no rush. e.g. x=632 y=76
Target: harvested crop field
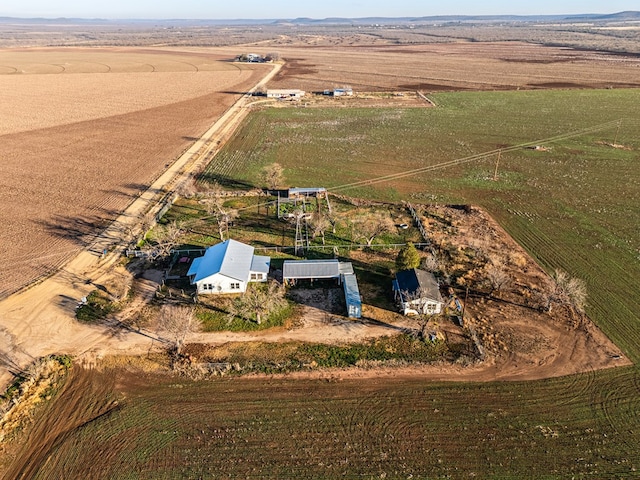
x=83 y=131
x=451 y=66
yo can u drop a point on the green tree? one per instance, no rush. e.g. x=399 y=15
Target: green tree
x=408 y=257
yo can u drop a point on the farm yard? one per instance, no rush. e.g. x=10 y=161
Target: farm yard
x=564 y=185
x=104 y=124
x=564 y=205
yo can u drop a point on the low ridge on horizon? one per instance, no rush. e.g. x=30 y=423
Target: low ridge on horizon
x=628 y=15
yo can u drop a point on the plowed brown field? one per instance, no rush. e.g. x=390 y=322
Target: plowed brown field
x=83 y=131
x=452 y=66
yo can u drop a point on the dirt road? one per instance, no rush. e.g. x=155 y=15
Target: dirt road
x=41 y=320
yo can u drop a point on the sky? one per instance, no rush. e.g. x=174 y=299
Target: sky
x=258 y=9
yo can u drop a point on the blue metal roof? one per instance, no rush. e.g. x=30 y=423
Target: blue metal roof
x=352 y=296
x=193 y=269
x=230 y=258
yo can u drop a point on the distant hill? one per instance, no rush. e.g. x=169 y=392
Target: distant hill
x=439 y=19
x=612 y=17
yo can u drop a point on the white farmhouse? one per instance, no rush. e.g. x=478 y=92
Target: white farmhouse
x=227 y=268
x=417 y=292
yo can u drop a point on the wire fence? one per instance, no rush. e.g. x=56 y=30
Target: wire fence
x=282 y=248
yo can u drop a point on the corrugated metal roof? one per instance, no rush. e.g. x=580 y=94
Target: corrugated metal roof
x=306 y=191
x=230 y=258
x=193 y=269
x=260 y=264
x=310 y=269
x=352 y=296
x=411 y=280
x=346 y=268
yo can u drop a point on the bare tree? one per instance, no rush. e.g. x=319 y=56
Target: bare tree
x=224 y=216
x=273 y=175
x=187 y=189
x=257 y=302
x=320 y=224
x=178 y=322
x=369 y=226
x=167 y=238
x=333 y=220
x=496 y=277
x=272 y=56
x=565 y=290
x=431 y=263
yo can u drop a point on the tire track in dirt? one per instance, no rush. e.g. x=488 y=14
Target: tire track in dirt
x=62 y=418
x=617 y=402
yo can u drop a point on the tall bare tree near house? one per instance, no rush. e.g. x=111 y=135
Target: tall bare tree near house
x=258 y=301
x=167 y=238
x=431 y=263
x=369 y=226
x=273 y=175
x=177 y=322
x=224 y=216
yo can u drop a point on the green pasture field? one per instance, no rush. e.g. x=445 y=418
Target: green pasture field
x=573 y=206
x=153 y=427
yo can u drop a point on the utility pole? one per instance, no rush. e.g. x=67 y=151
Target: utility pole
x=495 y=173
x=615 y=140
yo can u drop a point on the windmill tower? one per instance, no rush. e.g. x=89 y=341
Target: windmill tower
x=302 y=230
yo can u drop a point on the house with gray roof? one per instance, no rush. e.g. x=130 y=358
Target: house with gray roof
x=228 y=267
x=417 y=292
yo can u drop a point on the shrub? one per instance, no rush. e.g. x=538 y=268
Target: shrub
x=97 y=307
x=408 y=258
